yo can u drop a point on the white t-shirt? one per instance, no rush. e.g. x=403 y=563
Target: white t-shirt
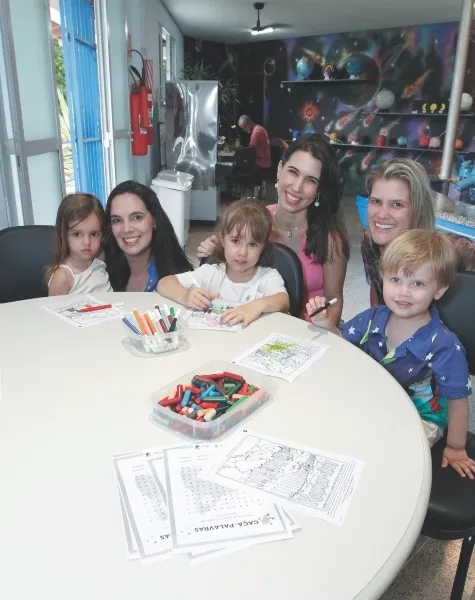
x=213 y=278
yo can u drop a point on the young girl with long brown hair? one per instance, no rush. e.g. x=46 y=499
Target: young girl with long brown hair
x=80 y=226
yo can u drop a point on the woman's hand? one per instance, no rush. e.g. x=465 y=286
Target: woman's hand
x=314 y=304
x=459 y=461
x=245 y=314
x=207 y=246
x=198 y=299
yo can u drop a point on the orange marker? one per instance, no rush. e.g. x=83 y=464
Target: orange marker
x=150 y=323
x=139 y=321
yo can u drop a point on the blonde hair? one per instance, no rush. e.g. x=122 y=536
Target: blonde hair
x=410 y=171
x=241 y=216
x=417 y=247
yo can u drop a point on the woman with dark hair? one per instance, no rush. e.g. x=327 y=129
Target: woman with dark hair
x=307 y=218
x=143 y=246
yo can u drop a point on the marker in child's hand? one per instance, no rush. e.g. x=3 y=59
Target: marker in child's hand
x=324 y=307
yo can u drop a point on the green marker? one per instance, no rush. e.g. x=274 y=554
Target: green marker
x=238 y=402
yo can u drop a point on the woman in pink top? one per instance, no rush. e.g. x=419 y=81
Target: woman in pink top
x=307 y=218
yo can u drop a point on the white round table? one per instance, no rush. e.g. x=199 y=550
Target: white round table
x=71 y=398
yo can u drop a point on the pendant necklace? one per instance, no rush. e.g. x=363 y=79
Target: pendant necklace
x=289 y=231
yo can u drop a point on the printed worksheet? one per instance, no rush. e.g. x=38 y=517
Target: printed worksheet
x=67 y=311
x=131 y=544
x=282 y=356
x=145 y=504
x=313 y=481
x=211 y=318
x=205 y=515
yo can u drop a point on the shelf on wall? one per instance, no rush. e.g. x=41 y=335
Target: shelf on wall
x=347 y=145
x=331 y=81
x=410 y=114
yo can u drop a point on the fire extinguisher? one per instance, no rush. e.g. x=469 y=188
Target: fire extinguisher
x=141 y=105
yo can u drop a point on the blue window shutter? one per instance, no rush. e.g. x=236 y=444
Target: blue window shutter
x=80 y=65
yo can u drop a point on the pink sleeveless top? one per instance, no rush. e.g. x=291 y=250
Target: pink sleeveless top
x=312 y=272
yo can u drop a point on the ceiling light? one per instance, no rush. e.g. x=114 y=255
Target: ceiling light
x=264 y=30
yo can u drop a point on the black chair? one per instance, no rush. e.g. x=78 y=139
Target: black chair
x=25 y=252
x=245 y=175
x=285 y=261
x=451 y=512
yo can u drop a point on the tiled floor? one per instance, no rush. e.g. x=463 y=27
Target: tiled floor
x=429 y=571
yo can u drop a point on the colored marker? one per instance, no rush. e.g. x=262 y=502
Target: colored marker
x=322 y=308
x=87 y=309
x=130 y=326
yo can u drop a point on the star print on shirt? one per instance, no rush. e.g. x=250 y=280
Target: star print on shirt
x=375 y=330
x=380 y=344
x=429 y=356
x=468 y=385
x=351 y=330
x=429 y=364
x=411 y=370
x=457 y=346
x=442 y=378
x=434 y=336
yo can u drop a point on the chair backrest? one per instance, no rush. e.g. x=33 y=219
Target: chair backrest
x=284 y=260
x=457 y=311
x=289 y=266
x=25 y=252
x=244 y=157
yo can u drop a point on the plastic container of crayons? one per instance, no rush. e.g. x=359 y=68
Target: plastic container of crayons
x=148 y=338
x=210 y=401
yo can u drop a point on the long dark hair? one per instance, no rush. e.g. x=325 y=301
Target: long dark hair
x=166 y=250
x=325 y=222
x=74 y=208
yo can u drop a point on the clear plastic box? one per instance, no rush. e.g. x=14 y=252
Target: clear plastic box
x=190 y=429
x=149 y=347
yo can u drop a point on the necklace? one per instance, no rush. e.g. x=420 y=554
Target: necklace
x=289 y=231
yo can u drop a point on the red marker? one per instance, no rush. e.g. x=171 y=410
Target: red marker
x=99 y=307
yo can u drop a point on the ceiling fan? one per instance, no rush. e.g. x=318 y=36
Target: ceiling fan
x=258 y=29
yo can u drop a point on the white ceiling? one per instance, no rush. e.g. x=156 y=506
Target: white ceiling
x=230 y=20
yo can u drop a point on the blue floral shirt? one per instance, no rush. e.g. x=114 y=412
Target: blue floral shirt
x=431 y=365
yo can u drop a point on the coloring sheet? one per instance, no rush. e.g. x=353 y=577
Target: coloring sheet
x=145 y=504
x=205 y=515
x=66 y=312
x=211 y=318
x=313 y=481
x=282 y=356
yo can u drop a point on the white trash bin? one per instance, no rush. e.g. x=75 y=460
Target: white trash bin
x=173 y=189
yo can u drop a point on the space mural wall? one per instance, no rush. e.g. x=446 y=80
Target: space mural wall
x=393 y=69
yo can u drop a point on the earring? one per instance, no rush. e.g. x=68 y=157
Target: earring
x=317 y=200
x=276 y=185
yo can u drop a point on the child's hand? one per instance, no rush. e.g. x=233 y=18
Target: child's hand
x=207 y=246
x=460 y=461
x=312 y=305
x=247 y=313
x=198 y=298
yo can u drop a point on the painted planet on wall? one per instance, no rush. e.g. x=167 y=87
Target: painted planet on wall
x=304 y=67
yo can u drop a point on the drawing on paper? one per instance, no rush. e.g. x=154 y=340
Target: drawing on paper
x=289 y=473
x=211 y=318
x=67 y=311
x=279 y=355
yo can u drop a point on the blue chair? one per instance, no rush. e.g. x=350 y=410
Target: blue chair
x=25 y=252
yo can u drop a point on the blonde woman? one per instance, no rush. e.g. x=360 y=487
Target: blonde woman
x=400 y=198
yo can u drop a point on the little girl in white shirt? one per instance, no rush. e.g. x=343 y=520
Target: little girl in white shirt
x=238 y=274
x=80 y=224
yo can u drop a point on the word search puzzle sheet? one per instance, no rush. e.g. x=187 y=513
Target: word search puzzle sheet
x=207 y=515
x=313 y=481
